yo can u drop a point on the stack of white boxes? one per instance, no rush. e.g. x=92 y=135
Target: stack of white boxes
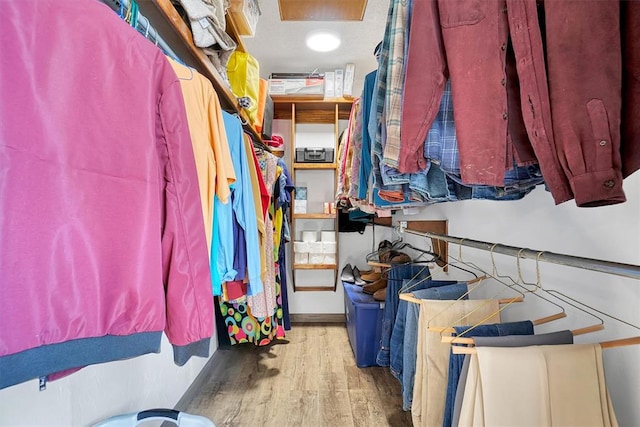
x=300 y=252
x=312 y=251
x=329 y=244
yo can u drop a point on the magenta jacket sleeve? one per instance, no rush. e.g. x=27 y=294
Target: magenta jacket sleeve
x=186 y=275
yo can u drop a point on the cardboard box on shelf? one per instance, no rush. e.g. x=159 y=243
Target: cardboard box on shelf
x=309 y=86
x=245 y=14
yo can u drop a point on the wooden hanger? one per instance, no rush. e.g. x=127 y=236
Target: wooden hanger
x=623 y=342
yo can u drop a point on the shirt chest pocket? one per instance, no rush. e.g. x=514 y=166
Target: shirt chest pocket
x=454 y=13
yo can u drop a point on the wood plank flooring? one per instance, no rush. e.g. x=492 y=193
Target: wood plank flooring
x=310 y=379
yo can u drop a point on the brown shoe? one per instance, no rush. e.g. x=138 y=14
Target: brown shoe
x=400 y=258
x=370 y=277
x=380 y=294
x=373 y=287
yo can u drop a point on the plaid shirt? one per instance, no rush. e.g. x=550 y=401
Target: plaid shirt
x=398 y=37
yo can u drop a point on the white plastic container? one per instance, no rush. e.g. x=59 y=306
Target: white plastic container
x=328 y=236
x=329 y=247
x=301 y=257
x=301 y=246
x=316 y=258
x=309 y=236
x=315 y=247
x=329 y=259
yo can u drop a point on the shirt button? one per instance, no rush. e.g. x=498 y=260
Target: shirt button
x=609 y=184
x=504 y=9
x=603 y=143
x=503 y=82
x=504 y=116
x=503 y=47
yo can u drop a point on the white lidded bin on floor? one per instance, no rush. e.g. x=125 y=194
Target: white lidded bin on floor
x=181 y=419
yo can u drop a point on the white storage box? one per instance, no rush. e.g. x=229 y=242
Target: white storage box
x=329 y=259
x=315 y=247
x=301 y=246
x=329 y=247
x=328 y=236
x=296 y=87
x=316 y=258
x=309 y=236
x=301 y=257
x=245 y=14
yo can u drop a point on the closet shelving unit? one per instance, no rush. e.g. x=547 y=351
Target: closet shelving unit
x=166 y=20
x=313 y=110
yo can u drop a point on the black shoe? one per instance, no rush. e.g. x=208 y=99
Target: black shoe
x=347 y=274
x=356 y=277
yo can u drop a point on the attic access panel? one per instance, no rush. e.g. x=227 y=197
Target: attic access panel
x=322 y=10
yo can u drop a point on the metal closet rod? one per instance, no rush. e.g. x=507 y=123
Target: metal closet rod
x=145 y=27
x=609 y=267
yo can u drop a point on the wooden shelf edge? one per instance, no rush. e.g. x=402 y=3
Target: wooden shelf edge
x=288 y=99
x=296 y=165
x=314 y=216
x=314 y=289
x=232 y=30
x=197 y=58
x=314 y=266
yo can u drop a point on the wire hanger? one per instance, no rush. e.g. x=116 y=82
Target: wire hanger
x=567 y=300
x=521 y=283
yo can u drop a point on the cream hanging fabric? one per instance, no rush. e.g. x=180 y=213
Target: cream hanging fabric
x=561 y=385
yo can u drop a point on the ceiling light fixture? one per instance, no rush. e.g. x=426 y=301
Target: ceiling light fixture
x=323 y=41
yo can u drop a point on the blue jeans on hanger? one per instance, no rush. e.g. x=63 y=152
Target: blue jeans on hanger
x=438 y=289
x=409 y=348
x=397 y=273
x=456 y=360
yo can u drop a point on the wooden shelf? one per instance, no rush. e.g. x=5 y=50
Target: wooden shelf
x=314 y=166
x=314 y=216
x=232 y=30
x=166 y=20
x=311 y=109
x=315 y=289
x=314 y=266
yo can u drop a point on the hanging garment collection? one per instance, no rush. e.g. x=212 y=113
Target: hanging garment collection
x=488 y=99
x=129 y=199
x=511 y=374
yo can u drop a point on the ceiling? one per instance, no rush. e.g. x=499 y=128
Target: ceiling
x=279 y=46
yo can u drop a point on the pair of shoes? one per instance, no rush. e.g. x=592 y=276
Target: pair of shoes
x=357 y=278
x=400 y=258
x=373 y=287
x=380 y=294
x=347 y=274
x=370 y=277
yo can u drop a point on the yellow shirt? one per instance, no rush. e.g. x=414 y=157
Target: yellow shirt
x=209 y=140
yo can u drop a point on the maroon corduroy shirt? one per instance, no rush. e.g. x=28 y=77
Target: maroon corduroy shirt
x=571 y=105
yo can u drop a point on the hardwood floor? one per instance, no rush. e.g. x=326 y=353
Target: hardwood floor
x=310 y=379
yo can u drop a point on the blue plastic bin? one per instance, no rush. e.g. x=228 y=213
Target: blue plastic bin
x=364 y=324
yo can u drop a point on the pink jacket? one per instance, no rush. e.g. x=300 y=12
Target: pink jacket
x=101 y=229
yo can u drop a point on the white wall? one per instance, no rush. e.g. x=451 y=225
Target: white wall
x=100 y=391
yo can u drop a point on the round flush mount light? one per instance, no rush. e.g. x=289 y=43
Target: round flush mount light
x=322 y=41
